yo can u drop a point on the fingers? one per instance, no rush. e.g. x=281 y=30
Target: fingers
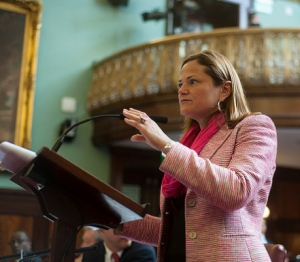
x=138 y=138
x=132 y=114
x=150 y=132
x=136 y=119
x=136 y=116
x=135 y=111
x=135 y=123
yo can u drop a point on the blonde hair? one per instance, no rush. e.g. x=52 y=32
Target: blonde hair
x=235 y=106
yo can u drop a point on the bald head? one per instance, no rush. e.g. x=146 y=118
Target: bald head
x=20 y=241
x=90 y=237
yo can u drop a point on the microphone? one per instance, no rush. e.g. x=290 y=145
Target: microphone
x=60 y=140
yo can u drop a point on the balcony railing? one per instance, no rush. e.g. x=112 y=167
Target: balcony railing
x=145 y=77
x=267 y=61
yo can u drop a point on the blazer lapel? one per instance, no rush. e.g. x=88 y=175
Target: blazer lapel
x=213 y=145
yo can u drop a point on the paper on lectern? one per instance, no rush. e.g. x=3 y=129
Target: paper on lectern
x=13 y=158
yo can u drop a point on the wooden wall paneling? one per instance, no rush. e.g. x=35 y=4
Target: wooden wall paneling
x=20 y=210
x=149 y=178
x=292 y=241
x=284 y=203
x=284 y=110
x=140 y=167
x=8 y=225
x=122 y=158
x=18 y=202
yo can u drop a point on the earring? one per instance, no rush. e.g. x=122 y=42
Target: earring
x=219 y=106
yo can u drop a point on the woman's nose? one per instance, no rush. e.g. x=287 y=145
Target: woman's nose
x=182 y=90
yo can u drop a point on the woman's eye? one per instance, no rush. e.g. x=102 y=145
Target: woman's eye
x=179 y=86
x=193 y=82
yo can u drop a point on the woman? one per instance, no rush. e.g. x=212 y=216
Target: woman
x=218 y=178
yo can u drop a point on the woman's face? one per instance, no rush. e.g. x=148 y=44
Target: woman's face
x=197 y=95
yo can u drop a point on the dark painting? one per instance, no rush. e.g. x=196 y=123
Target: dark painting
x=12 y=26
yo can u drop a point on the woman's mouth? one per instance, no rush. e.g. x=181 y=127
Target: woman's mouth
x=182 y=101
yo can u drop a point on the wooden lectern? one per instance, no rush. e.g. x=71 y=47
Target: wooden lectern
x=71 y=197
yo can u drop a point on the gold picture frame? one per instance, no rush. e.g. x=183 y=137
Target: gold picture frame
x=19 y=38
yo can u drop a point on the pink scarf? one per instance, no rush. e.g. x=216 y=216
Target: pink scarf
x=195 y=139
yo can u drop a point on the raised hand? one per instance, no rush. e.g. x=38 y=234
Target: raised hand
x=150 y=132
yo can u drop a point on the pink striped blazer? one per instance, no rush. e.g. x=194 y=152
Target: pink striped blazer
x=228 y=188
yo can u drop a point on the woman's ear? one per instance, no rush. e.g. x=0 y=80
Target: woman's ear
x=226 y=90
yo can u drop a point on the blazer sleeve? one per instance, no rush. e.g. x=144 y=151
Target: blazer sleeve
x=144 y=231
x=230 y=187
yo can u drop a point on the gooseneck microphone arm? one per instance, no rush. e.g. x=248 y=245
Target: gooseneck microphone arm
x=60 y=140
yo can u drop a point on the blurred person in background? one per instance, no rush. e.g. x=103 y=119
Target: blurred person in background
x=20 y=242
x=90 y=237
x=264 y=228
x=119 y=249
